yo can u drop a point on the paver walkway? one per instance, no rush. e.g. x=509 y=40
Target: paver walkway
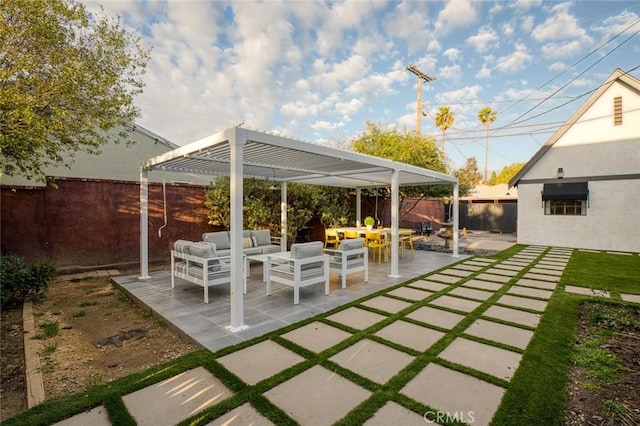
x=445 y=346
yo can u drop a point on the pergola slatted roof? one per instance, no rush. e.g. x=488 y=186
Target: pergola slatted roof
x=286 y=160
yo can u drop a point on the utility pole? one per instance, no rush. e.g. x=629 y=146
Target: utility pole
x=421 y=77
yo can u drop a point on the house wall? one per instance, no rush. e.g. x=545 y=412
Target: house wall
x=612 y=222
x=91 y=222
x=606 y=156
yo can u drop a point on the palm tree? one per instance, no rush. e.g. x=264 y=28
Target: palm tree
x=486 y=117
x=444 y=120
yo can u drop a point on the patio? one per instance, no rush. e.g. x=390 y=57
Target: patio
x=183 y=310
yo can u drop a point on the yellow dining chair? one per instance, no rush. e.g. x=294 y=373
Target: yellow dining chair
x=351 y=234
x=405 y=237
x=376 y=242
x=331 y=237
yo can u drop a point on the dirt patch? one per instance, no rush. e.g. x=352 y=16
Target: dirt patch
x=617 y=403
x=102 y=336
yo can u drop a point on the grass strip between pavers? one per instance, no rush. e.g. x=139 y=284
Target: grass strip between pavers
x=535 y=395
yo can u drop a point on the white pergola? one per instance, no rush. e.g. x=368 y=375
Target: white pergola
x=240 y=153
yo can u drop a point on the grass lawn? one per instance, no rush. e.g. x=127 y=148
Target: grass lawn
x=535 y=395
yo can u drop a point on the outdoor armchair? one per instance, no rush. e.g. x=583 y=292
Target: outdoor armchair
x=304 y=265
x=350 y=257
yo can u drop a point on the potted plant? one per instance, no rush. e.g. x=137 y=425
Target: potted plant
x=369 y=222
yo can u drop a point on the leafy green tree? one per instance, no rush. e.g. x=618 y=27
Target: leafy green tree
x=505 y=175
x=66 y=77
x=468 y=176
x=409 y=148
x=444 y=119
x=261 y=206
x=486 y=117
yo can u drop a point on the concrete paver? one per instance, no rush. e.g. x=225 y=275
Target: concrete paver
x=94 y=417
x=456 y=272
x=484 y=285
x=386 y=304
x=260 y=361
x=317 y=396
x=586 y=291
x=471 y=293
x=438 y=317
x=493 y=277
x=455 y=303
x=409 y=293
x=498 y=362
x=175 y=399
x=317 y=336
x=509 y=266
x=394 y=413
x=242 y=415
x=502 y=271
x=513 y=315
x=467 y=267
x=429 y=285
x=512 y=336
x=528 y=282
x=547 y=266
x=356 y=318
x=523 y=302
x=373 y=360
x=444 y=278
x=545 y=271
x=475 y=401
x=410 y=335
x=634 y=298
x=541 y=277
x=531 y=292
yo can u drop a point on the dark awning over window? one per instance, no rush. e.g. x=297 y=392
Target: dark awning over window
x=565 y=191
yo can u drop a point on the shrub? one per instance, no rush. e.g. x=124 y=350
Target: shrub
x=19 y=280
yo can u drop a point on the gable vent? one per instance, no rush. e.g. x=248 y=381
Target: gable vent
x=617 y=111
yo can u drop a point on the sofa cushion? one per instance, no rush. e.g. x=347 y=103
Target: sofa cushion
x=249 y=242
x=304 y=250
x=206 y=250
x=182 y=246
x=262 y=236
x=220 y=239
x=350 y=244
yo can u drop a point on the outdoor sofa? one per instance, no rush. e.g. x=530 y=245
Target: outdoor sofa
x=199 y=263
x=253 y=241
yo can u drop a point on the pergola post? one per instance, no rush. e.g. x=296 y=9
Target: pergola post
x=237 y=140
x=395 y=208
x=358 y=207
x=144 y=224
x=456 y=220
x=283 y=217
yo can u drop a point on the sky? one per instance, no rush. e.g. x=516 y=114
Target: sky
x=318 y=71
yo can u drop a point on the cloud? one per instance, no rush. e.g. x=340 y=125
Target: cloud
x=459 y=95
x=451 y=73
x=562 y=50
x=516 y=61
x=486 y=39
x=484 y=73
x=615 y=24
x=453 y=54
x=558 y=66
x=409 y=22
x=524 y=5
x=561 y=25
x=456 y=14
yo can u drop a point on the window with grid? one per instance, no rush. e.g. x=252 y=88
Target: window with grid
x=565 y=207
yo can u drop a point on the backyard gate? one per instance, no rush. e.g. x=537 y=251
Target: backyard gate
x=493 y=217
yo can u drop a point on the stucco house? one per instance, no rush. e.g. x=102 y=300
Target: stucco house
x=582 y=188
